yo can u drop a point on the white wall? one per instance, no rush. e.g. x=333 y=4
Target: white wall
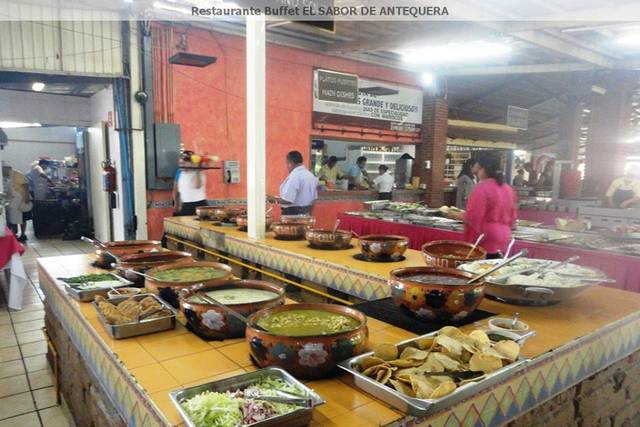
x=101 y=104
x=60 y=110
x=29 y=144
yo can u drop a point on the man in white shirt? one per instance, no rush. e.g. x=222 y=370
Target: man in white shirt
x=383 y=183
x=299 y=190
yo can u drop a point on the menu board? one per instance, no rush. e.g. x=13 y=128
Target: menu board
x=339 y=99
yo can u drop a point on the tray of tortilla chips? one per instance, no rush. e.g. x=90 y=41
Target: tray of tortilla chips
x=434 y=371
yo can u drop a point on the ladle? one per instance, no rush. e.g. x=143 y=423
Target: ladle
x=498 y=267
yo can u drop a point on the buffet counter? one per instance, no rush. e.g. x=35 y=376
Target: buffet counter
x=625 y=269
x=591 y=341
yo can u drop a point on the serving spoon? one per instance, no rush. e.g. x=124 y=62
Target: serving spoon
x=102 y=246
x=475 y=245
x=498 y=267
x=335 y=227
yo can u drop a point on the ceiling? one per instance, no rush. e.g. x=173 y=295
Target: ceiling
x=552 y=61
x=54 y=84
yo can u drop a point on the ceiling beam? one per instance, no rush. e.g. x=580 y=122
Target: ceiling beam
x=444 y=35
x=518 y=69
x=492 y=90
x=565 y=46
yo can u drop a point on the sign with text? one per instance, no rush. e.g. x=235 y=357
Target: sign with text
x=378 y=105
x=337 y=87
x=517 y=117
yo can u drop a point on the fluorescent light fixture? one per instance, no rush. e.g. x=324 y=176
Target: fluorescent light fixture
x=428 y=79
x=11 y=125
x=454 y=52
x=37 y=86
x=632 y=39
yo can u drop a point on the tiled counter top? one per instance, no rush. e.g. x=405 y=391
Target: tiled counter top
x=575 y=340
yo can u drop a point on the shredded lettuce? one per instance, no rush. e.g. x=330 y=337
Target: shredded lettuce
x=233 y=409
x=210 y=409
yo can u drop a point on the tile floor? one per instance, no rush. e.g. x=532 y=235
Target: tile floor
x=27 y=395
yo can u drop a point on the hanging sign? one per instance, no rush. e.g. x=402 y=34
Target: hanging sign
x=517 y=117
x=378 y=105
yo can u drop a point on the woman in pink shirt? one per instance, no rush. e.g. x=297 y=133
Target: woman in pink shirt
x=491 y=209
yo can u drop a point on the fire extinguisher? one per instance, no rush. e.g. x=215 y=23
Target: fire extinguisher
x=108 y=177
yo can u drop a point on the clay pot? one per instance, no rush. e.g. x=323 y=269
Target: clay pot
x=383 y=247
x=242 y=222
x=298 y=219
x=211 y=322
x=168 y=290
x=227 y=213
x=435 y=301
x=328 y=239
x=205 y=212
x=450 y=253
x=125 y=247
x=144 y=261
x=289 y=231
x=306 y=356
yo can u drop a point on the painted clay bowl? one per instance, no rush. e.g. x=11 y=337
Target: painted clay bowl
x=227 y=213
x=125 y=247
x=243 y=224
x=289 y=231
x=211 y=322
x=298 y=219
x=168 y=290
x=328 y=239
x=450 y=253
x=144 y=261
x=434 y=299
x=313 y=356
x=383 y=247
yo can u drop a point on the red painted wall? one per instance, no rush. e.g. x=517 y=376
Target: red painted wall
x=209 y=105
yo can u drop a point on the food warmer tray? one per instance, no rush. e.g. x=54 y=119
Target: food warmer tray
x=90 y=294
x=534 y=295
x=298 y=418
x=423 y=407
x=145 y=326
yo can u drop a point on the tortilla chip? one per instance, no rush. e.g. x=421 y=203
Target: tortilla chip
x=452 y=345
x=383 y=375
x=404 y=363
x=370 y=361
x=372 y=371
x=413 y=353
x=509 y=349
x=386 y=351
x=432 y=364
x=485 y=363
x=443 y=390
x=402 y=387
x=480 y=339
x=446 y=361
x=426 y=343
x=451 y=331
x=421 y=387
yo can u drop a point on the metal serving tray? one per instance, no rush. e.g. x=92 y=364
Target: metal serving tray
x=145 y=326
x=89 y=295
x=300 y=417
x=422 y=407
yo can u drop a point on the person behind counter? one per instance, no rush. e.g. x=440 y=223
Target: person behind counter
x=358 y=176
x=491 y=209
x=465 y=182
x=331 y=172
x=533 y=175
x=624 y=192
x=189 y=188
x=383 y=183
x=299 y=190
x=518 y=180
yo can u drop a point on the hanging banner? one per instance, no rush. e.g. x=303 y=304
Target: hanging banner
x=379 y=105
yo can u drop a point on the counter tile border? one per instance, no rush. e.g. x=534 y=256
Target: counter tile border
x=126 y=395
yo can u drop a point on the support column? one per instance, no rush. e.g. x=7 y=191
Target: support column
x=256 y=105
x=433 y=149
x=606 y=148
x=569 y=131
